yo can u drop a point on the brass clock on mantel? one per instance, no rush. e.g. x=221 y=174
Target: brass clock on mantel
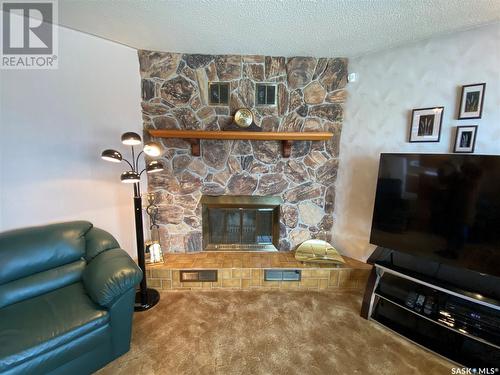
x=243 y=120
x=243 y=117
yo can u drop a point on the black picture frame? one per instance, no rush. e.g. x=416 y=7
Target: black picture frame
x=468 y=90
x=420 y=116
x=460 y=132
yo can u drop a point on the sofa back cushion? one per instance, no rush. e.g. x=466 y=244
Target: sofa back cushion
x=40 y=259
x=41 y=283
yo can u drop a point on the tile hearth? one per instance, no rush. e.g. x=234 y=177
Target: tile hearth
x=245 y=270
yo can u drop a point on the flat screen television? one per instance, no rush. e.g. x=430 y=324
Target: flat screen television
x=445 y=207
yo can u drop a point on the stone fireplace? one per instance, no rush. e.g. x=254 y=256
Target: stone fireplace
x=309 y=97
x=240 y=223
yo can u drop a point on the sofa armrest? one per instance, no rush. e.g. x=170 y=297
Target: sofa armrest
x=109 y=275
x=97 y=241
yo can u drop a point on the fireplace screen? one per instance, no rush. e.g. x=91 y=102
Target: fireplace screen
x=240 y=222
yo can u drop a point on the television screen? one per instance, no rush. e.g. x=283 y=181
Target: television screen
x=444 y=207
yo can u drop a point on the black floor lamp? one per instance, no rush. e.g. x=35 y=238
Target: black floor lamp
x=146 y=297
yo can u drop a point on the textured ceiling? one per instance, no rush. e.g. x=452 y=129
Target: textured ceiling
x=288 y=27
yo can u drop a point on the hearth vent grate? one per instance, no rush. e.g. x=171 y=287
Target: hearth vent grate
x=198 y=275
x=282 y=275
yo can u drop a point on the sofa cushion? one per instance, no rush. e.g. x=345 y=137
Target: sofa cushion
x=24 y=252
x=38 y=325
x=41 y=283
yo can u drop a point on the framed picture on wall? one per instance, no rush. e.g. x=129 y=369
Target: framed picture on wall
x=471 y=102
x=426 y=124
x=465 y=139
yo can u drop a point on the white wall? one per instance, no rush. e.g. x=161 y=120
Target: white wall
x=392 y=83
x=55 y=125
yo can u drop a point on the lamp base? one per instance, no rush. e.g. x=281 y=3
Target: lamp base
x=151 y=299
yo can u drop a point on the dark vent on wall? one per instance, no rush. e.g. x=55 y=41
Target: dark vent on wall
x=204 y=275
x=265 y=94
x=218 y=93
x=280 y=275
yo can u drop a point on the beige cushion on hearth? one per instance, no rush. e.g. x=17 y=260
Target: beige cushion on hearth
x=318 y=251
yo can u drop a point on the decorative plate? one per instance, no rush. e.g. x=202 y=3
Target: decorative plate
x=243 y=117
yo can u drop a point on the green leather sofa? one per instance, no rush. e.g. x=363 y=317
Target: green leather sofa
x=66 y=299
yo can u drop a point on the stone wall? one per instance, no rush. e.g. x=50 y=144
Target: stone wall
x=310 y=97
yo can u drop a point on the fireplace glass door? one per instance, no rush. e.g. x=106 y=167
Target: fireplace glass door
x=229 y=227
x=241 y=226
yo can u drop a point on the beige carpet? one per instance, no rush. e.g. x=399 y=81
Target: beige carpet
x=267 y=332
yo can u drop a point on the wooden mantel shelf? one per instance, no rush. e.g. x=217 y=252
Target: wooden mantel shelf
x=242 y=135
x=194 y=136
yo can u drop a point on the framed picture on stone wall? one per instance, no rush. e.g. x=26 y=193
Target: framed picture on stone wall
x=471 y=102
x=465 y=139
x=426 y=124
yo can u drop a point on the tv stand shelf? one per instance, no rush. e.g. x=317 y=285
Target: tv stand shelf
x=453 y=324
x=387 y=266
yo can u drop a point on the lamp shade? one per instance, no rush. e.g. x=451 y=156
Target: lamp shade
x=152 y=149
x=154 y=166
x=111 y=155
x=131 y=139
x=130 y=177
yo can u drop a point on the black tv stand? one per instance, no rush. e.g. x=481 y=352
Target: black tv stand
x=457 y=324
